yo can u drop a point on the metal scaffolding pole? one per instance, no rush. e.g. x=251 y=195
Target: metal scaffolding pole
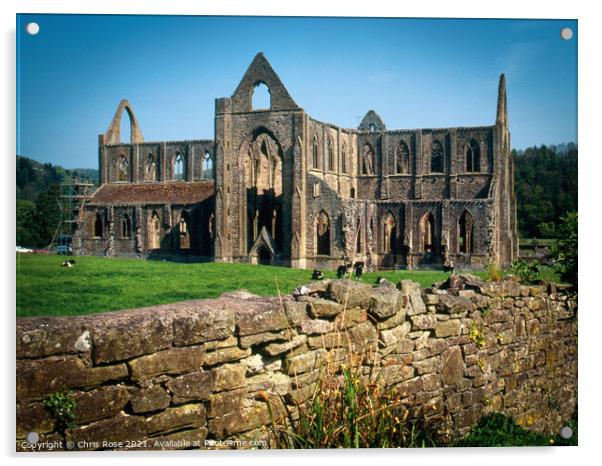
x=75 y=192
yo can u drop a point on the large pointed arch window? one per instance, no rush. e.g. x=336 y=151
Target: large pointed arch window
x=466 y=233
x=436 y=157
x=473 y=157
x=323 y=234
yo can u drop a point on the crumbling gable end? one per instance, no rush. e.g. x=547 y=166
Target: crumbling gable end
x=261 y=72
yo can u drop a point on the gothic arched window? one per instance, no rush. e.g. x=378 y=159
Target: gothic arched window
x=126 y=226
x=207 y=167
x=179 y=167
x=344 y=158
x=323 y=234
x=184 y=232
x=436 y=157
x=150 y=172
x=331 y=159
x=402 y=159
x=466 y=233
x=427 y=233
x=154 y=236
x=123 y=169
x=98 y=226
x=262 y=98
x=473 y=157
x=315 y=157
x=367 y=160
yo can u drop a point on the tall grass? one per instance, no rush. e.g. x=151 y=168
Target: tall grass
x=347 y=411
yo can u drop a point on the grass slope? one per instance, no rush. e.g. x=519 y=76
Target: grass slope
x=98 y=284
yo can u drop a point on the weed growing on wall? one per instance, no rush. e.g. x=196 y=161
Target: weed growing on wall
x=62 y=406
x=476 y=335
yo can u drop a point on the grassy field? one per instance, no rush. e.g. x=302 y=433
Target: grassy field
x=98 y=284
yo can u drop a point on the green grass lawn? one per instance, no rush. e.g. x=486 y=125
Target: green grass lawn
x=98 y=284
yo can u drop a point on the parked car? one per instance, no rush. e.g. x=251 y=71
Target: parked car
x=63 y=250
x=22 y=250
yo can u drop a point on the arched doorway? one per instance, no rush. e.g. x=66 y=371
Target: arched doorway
x=154 y=236
x=323 y=234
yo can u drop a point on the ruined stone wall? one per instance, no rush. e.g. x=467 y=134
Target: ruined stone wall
x=203 y=369
x=133 y=242
x=162 y=154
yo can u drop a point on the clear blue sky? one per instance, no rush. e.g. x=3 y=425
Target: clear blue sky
x=415 y=73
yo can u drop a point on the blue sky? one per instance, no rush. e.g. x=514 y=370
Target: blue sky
x=415 y=73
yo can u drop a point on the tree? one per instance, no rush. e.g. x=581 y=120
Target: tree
x=27 y=234
x=47 y=215
x=565 y=250
x=546 y=188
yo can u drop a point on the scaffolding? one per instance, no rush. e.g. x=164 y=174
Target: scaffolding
x=75 y=192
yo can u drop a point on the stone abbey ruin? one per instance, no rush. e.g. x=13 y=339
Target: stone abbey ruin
x=275 y=186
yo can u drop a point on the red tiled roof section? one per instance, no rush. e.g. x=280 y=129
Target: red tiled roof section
x=179 y=192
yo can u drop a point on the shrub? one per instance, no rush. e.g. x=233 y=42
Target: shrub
x=527 y=271
x=346 y=412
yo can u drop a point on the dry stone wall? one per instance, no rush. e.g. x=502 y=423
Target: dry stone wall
x=193 y=373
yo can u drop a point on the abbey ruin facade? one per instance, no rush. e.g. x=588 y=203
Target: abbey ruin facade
x=276 y=186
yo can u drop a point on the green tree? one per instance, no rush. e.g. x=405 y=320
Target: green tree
x=565 y=250
x=27 y=234
x=546 y=188
x=47 y=215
